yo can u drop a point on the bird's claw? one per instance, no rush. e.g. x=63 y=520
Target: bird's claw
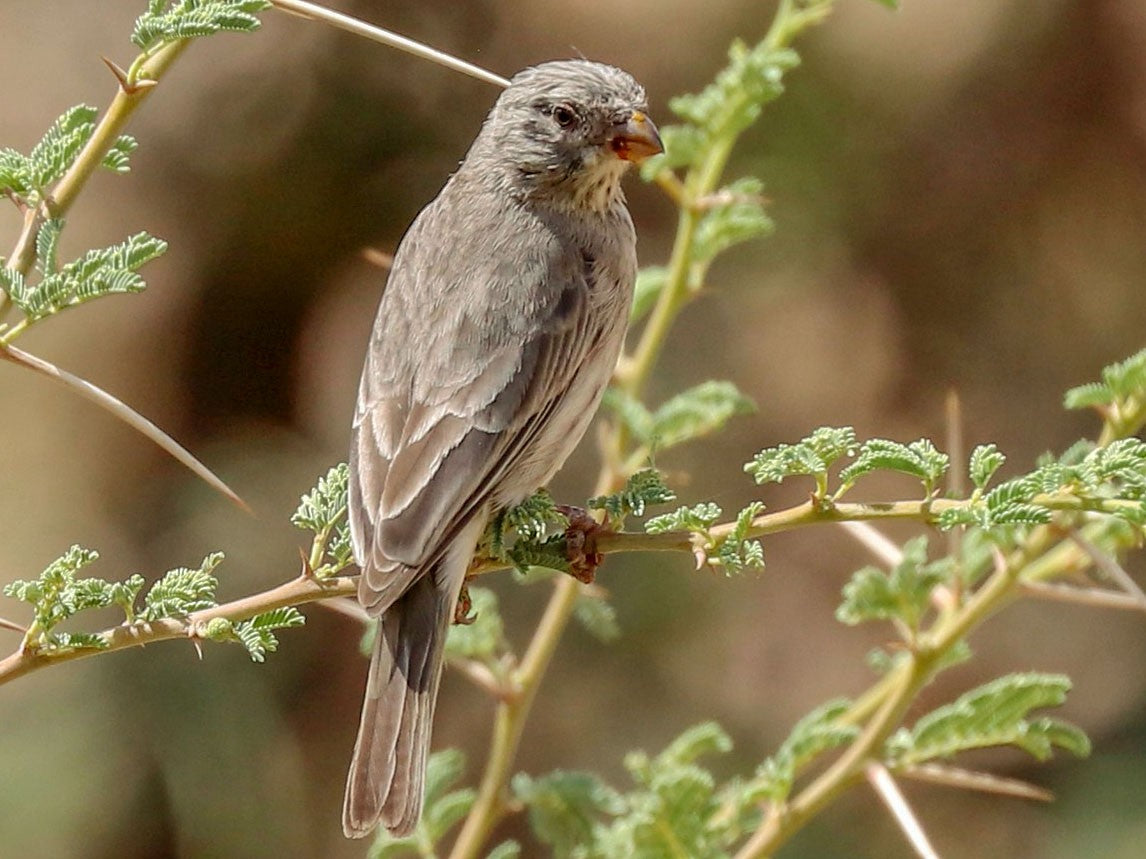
x=463 y=611
x=581 y=543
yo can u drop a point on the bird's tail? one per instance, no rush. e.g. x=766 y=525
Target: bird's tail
x=387 y=772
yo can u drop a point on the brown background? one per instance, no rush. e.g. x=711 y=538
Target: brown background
x=960 y=193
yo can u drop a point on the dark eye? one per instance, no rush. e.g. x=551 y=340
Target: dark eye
x=564 y=116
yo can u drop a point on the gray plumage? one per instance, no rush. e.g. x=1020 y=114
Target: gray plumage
x=497 y=333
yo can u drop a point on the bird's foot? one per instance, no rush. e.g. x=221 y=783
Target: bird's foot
x=581 y=543
x=463 y=610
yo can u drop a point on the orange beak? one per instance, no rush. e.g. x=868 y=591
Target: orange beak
x=636 y=139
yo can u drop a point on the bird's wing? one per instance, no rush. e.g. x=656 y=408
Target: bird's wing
x=476 y=344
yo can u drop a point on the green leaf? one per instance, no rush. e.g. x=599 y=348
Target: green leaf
x=735 y=99
x=918 y=459
x=683 y=144
x=325 y=505
x=736 y=552
x=1120 y=382
x=650 y=283
x=598 y=617
x=1090 y=395
x=79 y=641
x=813 y=735
x=903 y=595
x=631 y=412
x=117 y=157
x=257 y=634
x=58 y=148
x=737 y=216
x=697 y=519
x=105 y=271
x=58 y=593
x=323 y=511
x=445 y=806
x=643 y=489
x=47 y=246
x=533 y=518
x=985 y=461
x=813 y=455
x=187 y=19
x=564 y=807
x=994 y=714
x=696 y=412
x=183 y=590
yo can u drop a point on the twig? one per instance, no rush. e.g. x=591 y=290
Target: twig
x=294 y=593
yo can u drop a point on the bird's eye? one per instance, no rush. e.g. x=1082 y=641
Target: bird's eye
x=564 y=116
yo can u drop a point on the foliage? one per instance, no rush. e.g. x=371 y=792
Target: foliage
x=170 y=20
x=813 y=456
x=995 y=714
x=903 y=594
x=323 y=511
x=645 y=488
x=818 y=732
x=673 y=808
x=689 y=415
x=28 y=177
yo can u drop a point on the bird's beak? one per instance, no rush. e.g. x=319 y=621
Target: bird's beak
x=636 y=139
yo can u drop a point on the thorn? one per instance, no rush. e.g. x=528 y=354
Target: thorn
x=970 y=780
x=125 y=413
x=1110 y=567
x=872 y=539
x=119 y=73
x=307 y=569
x=127 y=85
x=885 y=786
x=1093 y=597
x=700 y=555
x=15 y=627
x=377 y=257
x=197 y=643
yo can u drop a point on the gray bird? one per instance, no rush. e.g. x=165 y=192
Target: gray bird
x=498 y=330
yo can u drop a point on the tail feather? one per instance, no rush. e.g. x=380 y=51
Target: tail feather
x=387 y=771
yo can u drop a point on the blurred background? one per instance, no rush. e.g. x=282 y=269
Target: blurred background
x=960 y=198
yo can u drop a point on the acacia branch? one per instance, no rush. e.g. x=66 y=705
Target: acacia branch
x=296 y=592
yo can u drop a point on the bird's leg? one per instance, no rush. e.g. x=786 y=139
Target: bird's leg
x=581 y=543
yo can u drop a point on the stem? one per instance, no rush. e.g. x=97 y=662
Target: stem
x=110 y=126
x=509 y=723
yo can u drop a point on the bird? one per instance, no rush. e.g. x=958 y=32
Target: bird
x=497 y=333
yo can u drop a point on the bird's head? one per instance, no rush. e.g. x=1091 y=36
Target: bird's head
x=568 y=130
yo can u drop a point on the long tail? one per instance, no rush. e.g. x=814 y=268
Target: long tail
x=387 y=772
